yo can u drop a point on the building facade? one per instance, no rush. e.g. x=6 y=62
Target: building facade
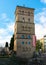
x=24 y=30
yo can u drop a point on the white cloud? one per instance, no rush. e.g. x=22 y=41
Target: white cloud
x=41 y=16
x=43 y=19
x=2 y=30
x=44 y=1
x=3 y=16
x=5 y=39
x=39 y=30
x=10 y=27
x=40 y=26
x=5 y=36
x=7 y=31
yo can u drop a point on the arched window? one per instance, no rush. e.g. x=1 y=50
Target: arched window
x=29 y=19
x=22 y=36
x=23 y=19
x=28 y=42
x=28 y=13
x=28 y=37
x=22 y=12
x=22 y=42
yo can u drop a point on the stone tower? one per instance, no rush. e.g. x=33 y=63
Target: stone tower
x=24 y=29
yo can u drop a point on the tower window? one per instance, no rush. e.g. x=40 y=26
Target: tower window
x=22 y=12
x=28 y=19
x=22 y=36
x=23 y=18
x=28 y=13
x=19 y=10
x=28 y=42
x=22 y=42
x=28 y=37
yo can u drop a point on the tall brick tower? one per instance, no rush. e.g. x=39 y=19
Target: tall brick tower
x=24 y=29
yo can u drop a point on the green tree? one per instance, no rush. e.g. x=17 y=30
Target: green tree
x=12 y=43
x=38 y=45
x=6 y=45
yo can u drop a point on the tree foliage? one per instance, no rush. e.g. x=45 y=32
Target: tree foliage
x=6 y=45
x=12 y=43
x=38 y=45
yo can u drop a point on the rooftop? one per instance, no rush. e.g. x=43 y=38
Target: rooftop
x=25 y=7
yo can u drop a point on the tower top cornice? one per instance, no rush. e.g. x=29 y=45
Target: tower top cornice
x=24 y=7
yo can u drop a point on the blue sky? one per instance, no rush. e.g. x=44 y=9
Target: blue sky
x=7 y=9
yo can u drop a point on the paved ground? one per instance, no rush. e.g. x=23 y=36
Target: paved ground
x=5 y=61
